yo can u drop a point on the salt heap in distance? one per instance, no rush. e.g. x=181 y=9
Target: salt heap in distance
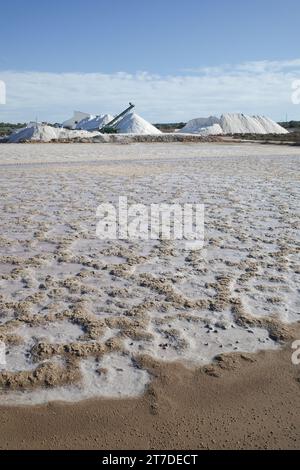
x=243 y=124
x=75 y=119
x=35 y=132
x=92 y=123
x=132 y=123
x=233 y=124
x=203 y=126
x=86 y=128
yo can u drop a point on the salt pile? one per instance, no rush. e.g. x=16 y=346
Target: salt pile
x=194 y=126
x=243 y=124
x=240 y=124
x=233 y=124
x=92 y=123
x=132 y=123
x=271 y=127
x=215 y=129
x=77 y=117
x=34 y=132
x=75 y=134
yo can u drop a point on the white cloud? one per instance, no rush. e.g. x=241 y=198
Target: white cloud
x=250 y=87
x=254 y=67
x=2 y=92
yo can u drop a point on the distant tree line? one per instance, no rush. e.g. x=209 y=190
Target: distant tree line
x=7 y=128
x=290 y=124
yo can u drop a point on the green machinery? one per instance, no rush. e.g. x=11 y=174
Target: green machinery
x=110 y=127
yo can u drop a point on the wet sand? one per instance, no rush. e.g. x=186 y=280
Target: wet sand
x=245 y=402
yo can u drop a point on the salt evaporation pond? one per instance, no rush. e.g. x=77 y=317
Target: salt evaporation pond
x=77 y=312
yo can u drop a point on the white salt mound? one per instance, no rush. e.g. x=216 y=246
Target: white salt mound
x=233 y=124
x=134 y=124
x=195 y=125
x=215 y=129
x=43 y=133
x=73 y=134
x=34 y=132
x=77 y=117
x=270 y=126
x=243 y=124
x=240 y=124
x=94 y=123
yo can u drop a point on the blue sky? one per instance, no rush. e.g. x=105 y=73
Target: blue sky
x=175 y=59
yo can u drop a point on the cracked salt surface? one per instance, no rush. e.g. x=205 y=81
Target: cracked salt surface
x=114 y=376
x=190 y=343
x=76 y=311
x=18 y=357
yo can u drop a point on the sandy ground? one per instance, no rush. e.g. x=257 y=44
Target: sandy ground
x=249 y=402
x=84 y=318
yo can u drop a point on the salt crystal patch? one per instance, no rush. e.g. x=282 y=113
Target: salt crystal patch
x=202 y=343
x=115 y=376
x=17 y=358
x=56 y=332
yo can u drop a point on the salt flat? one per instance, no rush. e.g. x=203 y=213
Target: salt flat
x=77 y=313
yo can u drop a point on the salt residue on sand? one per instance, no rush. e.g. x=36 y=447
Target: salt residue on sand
x=205 y=408
x=78 y=314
